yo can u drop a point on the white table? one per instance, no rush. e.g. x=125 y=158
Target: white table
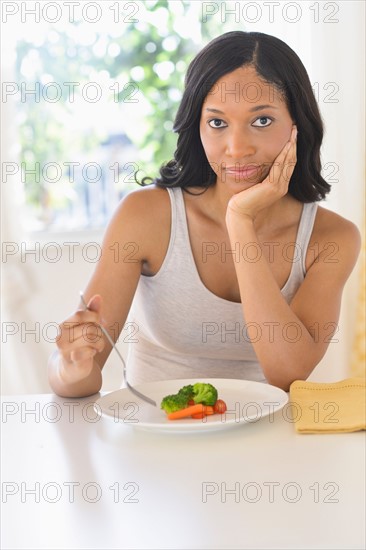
x=76 y=481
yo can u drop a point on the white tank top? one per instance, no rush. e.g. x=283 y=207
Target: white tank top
x=186 y=331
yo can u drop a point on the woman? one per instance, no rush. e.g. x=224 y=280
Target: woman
x=231 y=267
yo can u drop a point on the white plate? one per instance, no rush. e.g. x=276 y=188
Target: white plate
x=247 y=402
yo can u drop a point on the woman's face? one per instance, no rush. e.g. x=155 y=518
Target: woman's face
x=243 y=127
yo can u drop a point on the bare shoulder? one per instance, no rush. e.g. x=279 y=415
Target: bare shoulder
x=146 y=196
x=143 y=208
x=149 y=201
x=332 y=225
x=144 y=216
x=336 y=237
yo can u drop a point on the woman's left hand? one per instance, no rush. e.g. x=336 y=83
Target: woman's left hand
x=261 y=195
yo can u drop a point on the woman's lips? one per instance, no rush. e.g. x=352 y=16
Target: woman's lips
x=245 y=172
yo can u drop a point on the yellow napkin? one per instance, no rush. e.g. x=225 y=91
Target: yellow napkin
x=335 y=407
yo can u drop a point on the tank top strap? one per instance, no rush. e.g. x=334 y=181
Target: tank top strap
x=179 y=229
x=298 y=268
x=305 y=230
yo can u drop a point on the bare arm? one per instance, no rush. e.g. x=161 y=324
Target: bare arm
x=74 y=370
x=285 y=357
x=293 y=338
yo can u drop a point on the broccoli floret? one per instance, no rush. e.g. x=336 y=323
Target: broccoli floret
x=205 y=394
x=172 y=403
x=187 y=391
x=200 y=393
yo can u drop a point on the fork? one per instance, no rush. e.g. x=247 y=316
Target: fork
x=107 y=335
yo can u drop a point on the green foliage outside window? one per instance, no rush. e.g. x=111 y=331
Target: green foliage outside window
x=143 y=62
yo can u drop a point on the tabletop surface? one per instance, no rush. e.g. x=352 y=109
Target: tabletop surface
x=71 y=479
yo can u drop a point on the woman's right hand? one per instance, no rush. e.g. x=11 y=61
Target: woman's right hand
x=80 y=339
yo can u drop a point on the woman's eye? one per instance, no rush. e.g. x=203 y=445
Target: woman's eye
x=217 y=123
x=263 y=121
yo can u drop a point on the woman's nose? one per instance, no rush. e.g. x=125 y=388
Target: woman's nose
x=239 y=145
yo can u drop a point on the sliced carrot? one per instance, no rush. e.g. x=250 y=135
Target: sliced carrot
x=207 y=412
x=188 y=411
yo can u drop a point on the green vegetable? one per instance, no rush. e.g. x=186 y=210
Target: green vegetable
x=187 y=391
x=199 y=392
x=205 y=394
x=173 y=403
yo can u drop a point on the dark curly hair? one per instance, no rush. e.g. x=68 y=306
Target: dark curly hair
x=277 y=64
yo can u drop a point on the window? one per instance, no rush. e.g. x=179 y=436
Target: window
x=96 y=105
